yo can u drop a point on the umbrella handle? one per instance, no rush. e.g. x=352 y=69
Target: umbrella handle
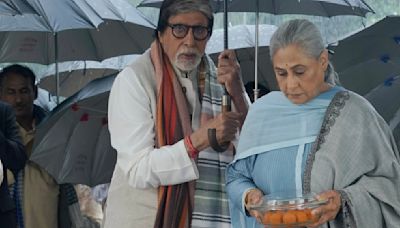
x=212 y=132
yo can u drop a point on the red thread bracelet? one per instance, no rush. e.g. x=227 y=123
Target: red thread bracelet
x=192 y=151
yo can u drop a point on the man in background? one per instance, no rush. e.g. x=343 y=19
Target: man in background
x=13 y=157
x=35 y=191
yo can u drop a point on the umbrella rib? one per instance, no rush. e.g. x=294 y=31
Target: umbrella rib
x=372 y=10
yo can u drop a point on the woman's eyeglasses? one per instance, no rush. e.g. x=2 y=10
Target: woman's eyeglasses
x=181 y=30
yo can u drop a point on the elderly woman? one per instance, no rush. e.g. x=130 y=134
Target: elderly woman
x=315 y=136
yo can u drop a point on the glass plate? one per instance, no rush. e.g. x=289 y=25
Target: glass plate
x=287 y=209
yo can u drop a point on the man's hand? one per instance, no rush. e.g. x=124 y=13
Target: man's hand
x=226 y=125
x=229 y=73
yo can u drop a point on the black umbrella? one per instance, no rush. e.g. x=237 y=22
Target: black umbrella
x=325 y=8
x=76 y=139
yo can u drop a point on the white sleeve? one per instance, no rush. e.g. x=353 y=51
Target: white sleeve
x=131 y=124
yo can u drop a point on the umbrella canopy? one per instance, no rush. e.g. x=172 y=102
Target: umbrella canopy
x=75 y=138
x=74 y=30
x=241 y=36
x=68 y=30
x=45 y=100
x=242 y=40
x=385 y=99
x=326 y=8
x=368 y=57
x=11 y=8
x=75 y=75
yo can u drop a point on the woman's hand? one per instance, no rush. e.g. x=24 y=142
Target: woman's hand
x=254 y=197
x=330 y=210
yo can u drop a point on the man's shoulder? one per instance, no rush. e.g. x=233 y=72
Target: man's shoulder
x=142 y=64
x=140 y=70
x=39 y=113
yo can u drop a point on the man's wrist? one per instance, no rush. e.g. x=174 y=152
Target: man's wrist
x=191 y=150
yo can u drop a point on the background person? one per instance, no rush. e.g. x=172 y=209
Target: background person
x=315 y=136
x=12 y=157
x=35 y=191
x=160 y=110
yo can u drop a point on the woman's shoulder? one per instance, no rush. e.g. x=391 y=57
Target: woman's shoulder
x=355 y=99
x=271 y=97
x=355 y=103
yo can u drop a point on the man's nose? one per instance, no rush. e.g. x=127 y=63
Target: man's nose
x=18 y=98
x=189 y=38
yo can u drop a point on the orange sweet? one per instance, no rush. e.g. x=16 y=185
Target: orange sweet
x=289 y=217
x=266 y=219
x=276 y=218
x=301 y=216
x=313 y=218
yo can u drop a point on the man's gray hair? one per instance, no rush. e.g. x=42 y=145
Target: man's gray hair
x=307 y=36
x=171 y=8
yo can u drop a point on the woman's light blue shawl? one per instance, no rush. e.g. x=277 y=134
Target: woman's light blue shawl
x=275 y=122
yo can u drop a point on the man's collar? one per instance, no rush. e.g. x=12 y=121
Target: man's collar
x=185 y=74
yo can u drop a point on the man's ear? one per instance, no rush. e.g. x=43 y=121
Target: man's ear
x=35 y=90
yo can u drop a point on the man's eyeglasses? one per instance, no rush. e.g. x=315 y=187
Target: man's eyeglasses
x=181 y=30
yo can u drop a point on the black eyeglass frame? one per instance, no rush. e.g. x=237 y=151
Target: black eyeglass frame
x=187 y=28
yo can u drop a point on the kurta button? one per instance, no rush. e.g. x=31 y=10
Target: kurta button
x=184 y=90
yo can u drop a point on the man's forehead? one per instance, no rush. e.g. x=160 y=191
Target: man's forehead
x=189 y=17
x=16 y=81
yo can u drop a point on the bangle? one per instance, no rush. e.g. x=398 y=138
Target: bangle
x=192 y=151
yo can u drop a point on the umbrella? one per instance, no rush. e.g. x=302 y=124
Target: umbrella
x=75 y=75
x=326 y=8
x=385 y=99
x=10 y=8
x=68 y=30
x=368 y=57
x=242 y=40
x=45 y=100
x=75 y=138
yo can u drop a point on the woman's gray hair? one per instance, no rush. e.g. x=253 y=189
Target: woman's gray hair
x=171 y=8
x=307 y=36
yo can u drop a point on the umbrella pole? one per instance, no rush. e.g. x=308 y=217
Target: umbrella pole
x=226 y=99
x=256 y=90
x=56 y=65
x=225 y=24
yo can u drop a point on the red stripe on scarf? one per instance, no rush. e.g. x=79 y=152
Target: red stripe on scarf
x=174 y=209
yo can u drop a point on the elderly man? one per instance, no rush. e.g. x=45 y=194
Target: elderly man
x=36 y=191
x=12 y=157
x=160 y=110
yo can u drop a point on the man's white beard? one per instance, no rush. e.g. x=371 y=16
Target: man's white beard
x=188 y=66
x=185 y=65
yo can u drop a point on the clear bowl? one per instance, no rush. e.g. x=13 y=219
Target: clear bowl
x=287 y=209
